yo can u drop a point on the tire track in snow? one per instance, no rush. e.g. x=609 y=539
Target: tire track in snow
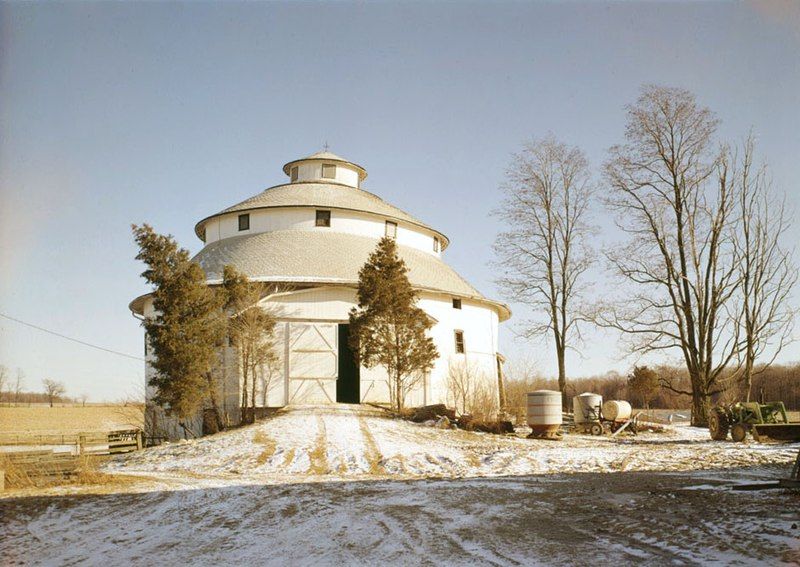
x=318 y=456
x=372 y=453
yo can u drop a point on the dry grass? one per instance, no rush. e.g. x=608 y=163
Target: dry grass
x=70 y=419
x=372 y=452
x=289 y=458
x=318 y=455
x=269 y=446
x=41 y=475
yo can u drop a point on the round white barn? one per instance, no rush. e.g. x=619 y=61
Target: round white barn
x=311 y=236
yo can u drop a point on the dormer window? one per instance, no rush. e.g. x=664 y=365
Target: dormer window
x=391 y=229
x=436 y=244
x=328 y=171
x=244 y=222
x=294 y=173
x=323 y=218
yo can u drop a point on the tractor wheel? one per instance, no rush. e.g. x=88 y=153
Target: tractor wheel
x=718 y=425
x=738 y=432
x=596 y=429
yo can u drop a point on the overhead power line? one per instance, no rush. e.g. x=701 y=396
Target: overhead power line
x=84 y=343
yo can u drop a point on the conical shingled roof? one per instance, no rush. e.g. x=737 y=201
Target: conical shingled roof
x=327 y=156
x=322 y=195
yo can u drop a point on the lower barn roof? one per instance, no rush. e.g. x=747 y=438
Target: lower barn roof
x=325 y=257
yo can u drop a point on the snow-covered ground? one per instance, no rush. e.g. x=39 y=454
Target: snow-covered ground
x=346 y=442
x=348 y=486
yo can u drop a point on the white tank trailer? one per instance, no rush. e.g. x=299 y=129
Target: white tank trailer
x=588 y=408
x=544 y=413
x=591 y=413
x=617 y=411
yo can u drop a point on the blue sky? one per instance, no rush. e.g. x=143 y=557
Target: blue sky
x=113 y=113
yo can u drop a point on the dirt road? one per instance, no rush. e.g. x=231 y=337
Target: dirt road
x=622 y=518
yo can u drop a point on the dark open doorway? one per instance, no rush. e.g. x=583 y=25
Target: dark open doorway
x=349 y=380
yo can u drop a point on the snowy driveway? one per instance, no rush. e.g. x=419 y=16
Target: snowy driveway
x=351 y=442
x=348 y=486
x=619 y=519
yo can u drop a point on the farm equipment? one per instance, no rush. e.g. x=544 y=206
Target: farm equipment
x=596 y=418
x=762 y=421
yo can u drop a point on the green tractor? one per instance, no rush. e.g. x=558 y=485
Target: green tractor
x=766 y=420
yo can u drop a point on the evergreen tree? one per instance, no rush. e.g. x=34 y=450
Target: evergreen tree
x=387 y=328
x=644 y=382
x=186 y=328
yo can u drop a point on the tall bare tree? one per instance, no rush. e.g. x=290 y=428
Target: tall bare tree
x=19 y=384
x=251 y=328
x=543 y=252
x=53 y=390
x=672 y=191
x=766 y=271
x=4 y=381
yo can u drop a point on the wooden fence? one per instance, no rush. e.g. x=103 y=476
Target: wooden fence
x=92 y=442
x=41 y=460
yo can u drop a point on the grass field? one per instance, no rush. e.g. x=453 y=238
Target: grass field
x=69 y=419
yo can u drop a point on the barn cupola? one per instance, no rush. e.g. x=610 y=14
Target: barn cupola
x=325 y=167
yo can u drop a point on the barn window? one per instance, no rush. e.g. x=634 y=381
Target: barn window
x=294 y=174
x=436 y=244
x=323 y=218
x=328 y=171
x=459 y=335
x=244 y=222
x=391 y=229
x=456 y=303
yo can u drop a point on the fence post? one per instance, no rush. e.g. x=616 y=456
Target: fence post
x=139 y=440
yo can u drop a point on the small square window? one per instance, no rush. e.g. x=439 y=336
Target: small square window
x=244 y=222
x=436 y=244
x=391 y=229
x=456 y=303
x=323 y=218
x=294 y=173
x=459 y=336
x=328 y=171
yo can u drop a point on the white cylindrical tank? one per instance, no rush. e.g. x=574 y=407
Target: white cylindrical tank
x=544 y=412
x=617 y=410
x=587 y=407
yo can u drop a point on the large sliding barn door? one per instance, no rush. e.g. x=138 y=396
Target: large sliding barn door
x=312 y=351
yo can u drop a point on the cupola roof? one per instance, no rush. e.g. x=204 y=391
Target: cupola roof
x=330 y=157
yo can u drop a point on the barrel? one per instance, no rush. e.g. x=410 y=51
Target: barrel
x=587 y=407
x=616 y=410
x=544 y=412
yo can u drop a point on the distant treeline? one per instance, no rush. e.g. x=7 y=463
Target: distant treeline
x=776 y=383
x=34 y=398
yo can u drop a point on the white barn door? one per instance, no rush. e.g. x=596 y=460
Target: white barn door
x=312 y=353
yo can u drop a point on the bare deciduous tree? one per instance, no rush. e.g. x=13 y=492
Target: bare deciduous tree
x=672 y=192
x=19 y=384
x=53 y=390
x=271 y=369
x=766 y=271
x=251 y=328
x=471 y=390
x=4 y=380
x=543 y=251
